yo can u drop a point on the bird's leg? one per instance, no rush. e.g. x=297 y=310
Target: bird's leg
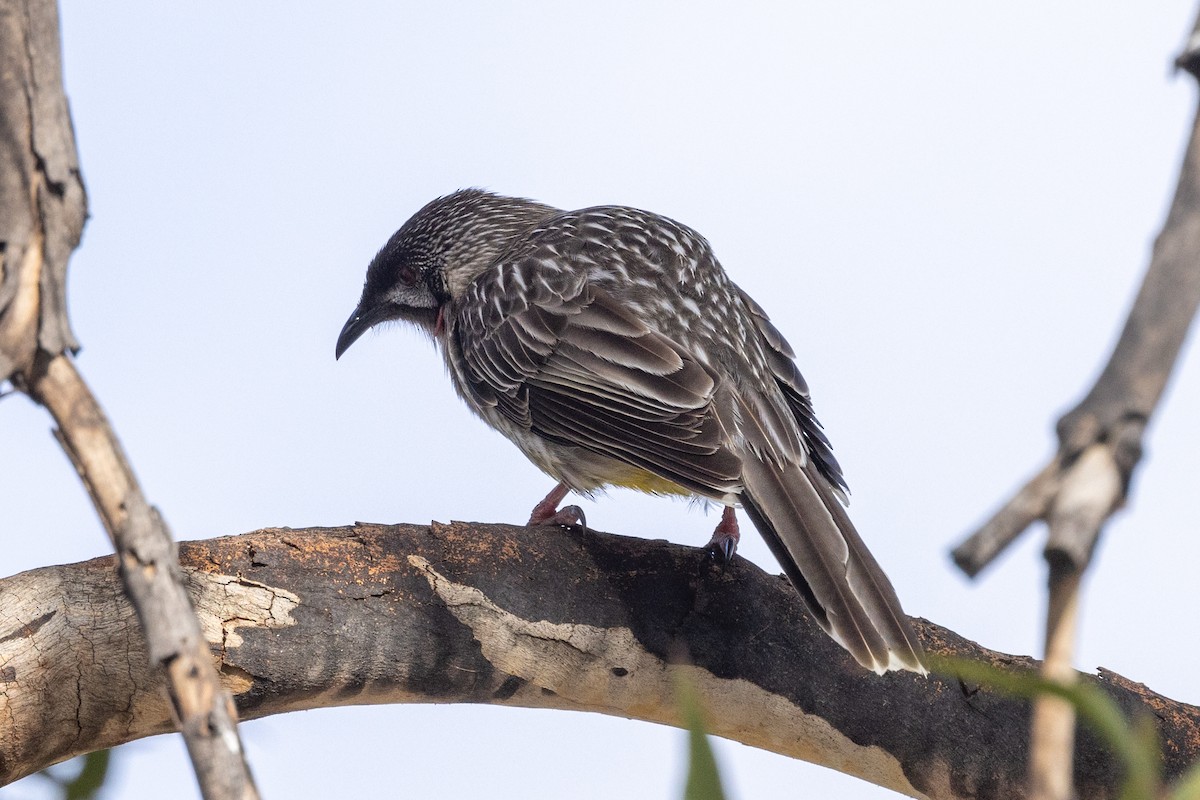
x=725 y=538
x=547 y=512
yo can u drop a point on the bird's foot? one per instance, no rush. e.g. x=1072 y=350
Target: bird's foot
x=570 y=516
x=547 y=512
x=725 y=538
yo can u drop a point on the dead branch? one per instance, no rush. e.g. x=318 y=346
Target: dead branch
x=1100 y=445
x=42 y=211
x=1102 y=436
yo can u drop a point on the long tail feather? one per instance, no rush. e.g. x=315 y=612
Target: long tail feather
x=811 y=535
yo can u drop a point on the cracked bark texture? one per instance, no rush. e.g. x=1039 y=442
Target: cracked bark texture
x=42 y=201
x=533 y=617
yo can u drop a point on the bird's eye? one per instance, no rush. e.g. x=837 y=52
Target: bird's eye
x=408 y=275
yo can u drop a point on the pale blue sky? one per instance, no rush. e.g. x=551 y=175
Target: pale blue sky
x=945 y=207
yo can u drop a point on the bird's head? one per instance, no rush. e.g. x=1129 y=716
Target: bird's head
x=435 y=256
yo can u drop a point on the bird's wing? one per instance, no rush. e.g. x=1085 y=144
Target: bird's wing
x=781 y=361
x=564 y=359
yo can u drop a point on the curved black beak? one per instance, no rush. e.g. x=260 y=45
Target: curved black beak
x=361 y=321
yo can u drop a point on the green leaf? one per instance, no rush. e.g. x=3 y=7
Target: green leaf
x=1188 y=785
x=87 y=782
x=86 y=785
x=703 y=777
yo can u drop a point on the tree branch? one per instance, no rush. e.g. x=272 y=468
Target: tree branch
x=42 y=211
x=150 y=577
x=1111 y=419
x=1100 y=445
x=535 y=617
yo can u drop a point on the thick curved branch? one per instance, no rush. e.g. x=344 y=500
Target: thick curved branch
x=535 y=617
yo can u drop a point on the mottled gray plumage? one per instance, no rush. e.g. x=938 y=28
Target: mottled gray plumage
x=611 y=347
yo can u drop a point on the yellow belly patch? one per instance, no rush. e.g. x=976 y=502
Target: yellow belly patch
x=644 y=481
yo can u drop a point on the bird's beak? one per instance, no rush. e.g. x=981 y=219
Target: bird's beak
x=362 y=320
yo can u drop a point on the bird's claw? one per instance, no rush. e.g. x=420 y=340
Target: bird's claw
x=722 y=549
x=724 y=541
x=567 y=516
x=573 y=517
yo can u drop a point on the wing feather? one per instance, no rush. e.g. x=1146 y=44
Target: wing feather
x=795 y=390
x=570 y=363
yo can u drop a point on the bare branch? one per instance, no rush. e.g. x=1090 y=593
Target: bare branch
x=534 y=617
x=42 y=211
x=1053 y=726
x=1100 y=445
x=151 y=577
x=1114 y=413
x=1030 y=504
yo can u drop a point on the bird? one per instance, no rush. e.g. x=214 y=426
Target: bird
x=611 y=347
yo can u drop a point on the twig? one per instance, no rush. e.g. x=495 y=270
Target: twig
x=151 y=577
x=1030 y=504
x=1052 y=739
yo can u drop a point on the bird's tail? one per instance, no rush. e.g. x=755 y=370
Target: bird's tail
x=811 y=535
